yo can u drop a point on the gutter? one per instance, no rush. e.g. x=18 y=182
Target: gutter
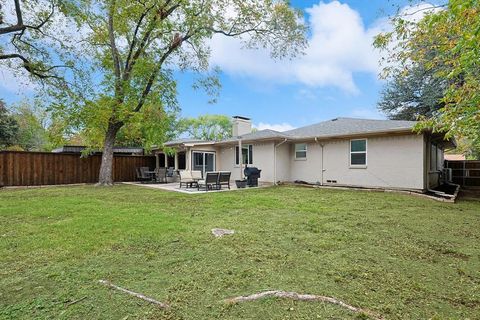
x=354 y=135
x=275 y=160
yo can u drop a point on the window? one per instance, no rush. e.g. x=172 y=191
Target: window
x=198 y=159
x=300 y=151
x=358 y=152
x=247 y=154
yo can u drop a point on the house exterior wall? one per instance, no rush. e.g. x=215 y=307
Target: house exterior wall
x=392 y=162
x=262 y=158
x=308 y=169
x=283 y=170
x=395 y=161
x=226 y=161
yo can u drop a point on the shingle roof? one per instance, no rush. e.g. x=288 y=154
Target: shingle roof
x=329 y=128
x=347 y=126
x=259 y=135
x=181 y=141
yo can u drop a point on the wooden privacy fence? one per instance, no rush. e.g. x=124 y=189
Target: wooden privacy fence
x=18 y=168
x=465 y=172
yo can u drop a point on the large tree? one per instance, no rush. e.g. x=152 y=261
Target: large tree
x=33 y=132
x=136 y=47
x=453 y=35
x=411 y=95
x=212 y=127
x=8 y=127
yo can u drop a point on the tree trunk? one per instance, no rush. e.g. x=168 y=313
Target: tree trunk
x=105 y=177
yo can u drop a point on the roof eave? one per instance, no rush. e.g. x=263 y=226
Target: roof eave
x=251 y=140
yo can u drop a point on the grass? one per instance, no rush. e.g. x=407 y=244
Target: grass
x=401 y=256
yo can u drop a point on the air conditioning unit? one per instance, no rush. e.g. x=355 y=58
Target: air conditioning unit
x=447 y=175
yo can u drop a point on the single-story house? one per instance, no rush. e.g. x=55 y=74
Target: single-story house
x=341 y=151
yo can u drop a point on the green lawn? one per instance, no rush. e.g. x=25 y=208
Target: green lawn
x=401 y=256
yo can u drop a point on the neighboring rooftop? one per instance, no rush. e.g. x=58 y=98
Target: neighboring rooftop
x=182 y=141
x=117 y=150
x=454 y=157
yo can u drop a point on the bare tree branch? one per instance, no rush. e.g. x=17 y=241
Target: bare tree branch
x=135 y=36
x=20 y=26
x=432 y=7
x=27 y=65
x=162 y=13
x=177 y=42
x=113 y=46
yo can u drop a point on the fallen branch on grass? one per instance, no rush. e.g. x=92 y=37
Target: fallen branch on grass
x=300 y=297
x=138 y=295
x=68 y=304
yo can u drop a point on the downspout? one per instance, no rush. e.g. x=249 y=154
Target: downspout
x=322 y=169
x=275 y=161
x=240 y=158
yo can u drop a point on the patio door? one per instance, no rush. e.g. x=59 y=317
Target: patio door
x=203 y=161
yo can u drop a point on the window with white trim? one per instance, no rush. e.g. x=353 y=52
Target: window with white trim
x=300 y=151
x=358 y=152
x=247 y=154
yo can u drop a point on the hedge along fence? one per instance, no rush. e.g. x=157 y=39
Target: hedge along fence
x=19 y=168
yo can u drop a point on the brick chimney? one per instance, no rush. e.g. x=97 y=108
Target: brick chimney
x=241 y=126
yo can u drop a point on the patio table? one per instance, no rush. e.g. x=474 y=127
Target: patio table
x=151 y=173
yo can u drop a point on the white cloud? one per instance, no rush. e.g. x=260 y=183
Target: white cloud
x=339 y=46
x=277 y=127
x=306 y=94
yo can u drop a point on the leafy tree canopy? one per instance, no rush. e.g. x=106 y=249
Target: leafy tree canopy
x=446 y=43
x=33 y=134
x=212 y=127
x=409 y=96
x=8 y=127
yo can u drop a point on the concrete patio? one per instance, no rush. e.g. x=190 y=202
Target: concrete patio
x=175 y=186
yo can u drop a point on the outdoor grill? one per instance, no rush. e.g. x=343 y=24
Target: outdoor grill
x=252 y=175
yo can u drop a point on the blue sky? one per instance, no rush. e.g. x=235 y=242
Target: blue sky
x=338 y=76
x=295 y=103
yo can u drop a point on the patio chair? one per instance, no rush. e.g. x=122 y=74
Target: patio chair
x=141 y=176
x=210 y=181
x=186 y=179
x=197 y=175
x=224 y=179
x=170 y=174
x=161 y=174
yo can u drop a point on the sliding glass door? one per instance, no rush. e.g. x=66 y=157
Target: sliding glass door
x=203 y=161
